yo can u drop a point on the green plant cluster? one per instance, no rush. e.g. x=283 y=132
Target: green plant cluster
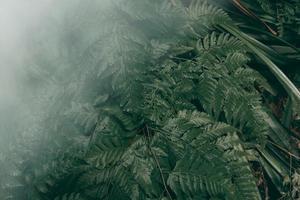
x=167 y=101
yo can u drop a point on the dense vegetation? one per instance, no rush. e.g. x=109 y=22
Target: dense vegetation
x=162 y=99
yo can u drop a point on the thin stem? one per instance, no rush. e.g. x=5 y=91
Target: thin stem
x=157 y=163
x=284 y=150
x=291 y=163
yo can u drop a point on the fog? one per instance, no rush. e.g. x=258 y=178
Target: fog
x=31 y=41
x=18 y=19
x=41 y=42
x=37 y=39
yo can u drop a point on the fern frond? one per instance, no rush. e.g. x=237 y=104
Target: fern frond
x=203 y=13
x=217 y=45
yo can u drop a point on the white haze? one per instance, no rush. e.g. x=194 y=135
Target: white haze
x=17 y=21
x=17 y=17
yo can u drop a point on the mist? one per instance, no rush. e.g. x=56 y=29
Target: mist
x=17 y=22
x=41 y=46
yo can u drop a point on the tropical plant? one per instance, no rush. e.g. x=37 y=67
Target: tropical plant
x=173 y=100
